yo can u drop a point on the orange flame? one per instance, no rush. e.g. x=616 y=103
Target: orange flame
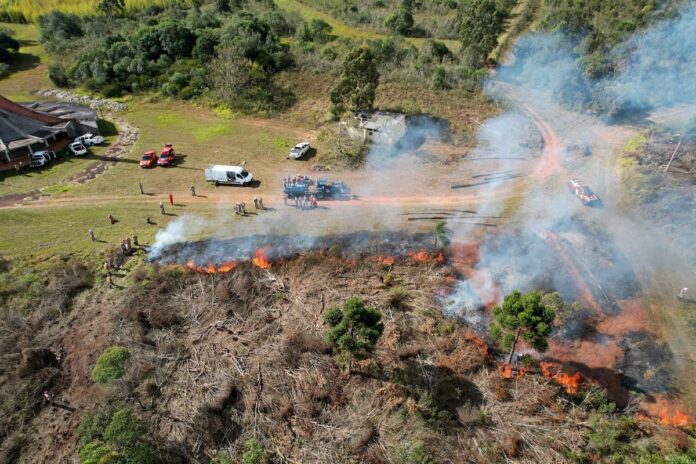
x=385 y=260
x=505 y=370
x=211 y=268
x=423 y=256
x=480 y=342
x=261 y=259
x=668 y=413
x=508 y=372
x=553 y=371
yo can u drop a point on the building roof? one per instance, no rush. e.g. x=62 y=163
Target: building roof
x=21 y=126
x=63 y=110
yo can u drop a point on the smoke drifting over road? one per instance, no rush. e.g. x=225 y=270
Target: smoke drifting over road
x=553 y=242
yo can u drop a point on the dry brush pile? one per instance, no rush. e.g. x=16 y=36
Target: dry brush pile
x=219 y=359
x=216 y=362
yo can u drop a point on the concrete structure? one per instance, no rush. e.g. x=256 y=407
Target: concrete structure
x=382 y=128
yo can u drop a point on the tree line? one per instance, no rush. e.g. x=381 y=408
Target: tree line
x=232 y=52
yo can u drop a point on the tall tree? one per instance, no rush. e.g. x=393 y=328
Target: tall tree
x=401 y=21
x=357 y=86
x=355 y=329
x=481 y=23
x=523 y=316
x=111 y=7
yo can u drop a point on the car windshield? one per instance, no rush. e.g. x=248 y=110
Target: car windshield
x=146 y=157
x=164 y=155
x=244 y=173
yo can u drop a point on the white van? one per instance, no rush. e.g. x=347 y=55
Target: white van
x=228 y=175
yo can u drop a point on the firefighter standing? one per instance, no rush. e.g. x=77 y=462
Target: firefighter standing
x=140 y=184
x=91 y=235
x=193 y=191
x=161 y=208
x=171 y=199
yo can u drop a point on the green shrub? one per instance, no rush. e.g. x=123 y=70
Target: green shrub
x=124 y=429
x=413 y=453
x=118 y=437
x=97 y=452
x=110 y=365
x=254 y=452
x=58 y=75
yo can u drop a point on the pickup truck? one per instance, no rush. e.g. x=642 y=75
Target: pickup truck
x=299 y=150
x=77 y=148
x=89 y=139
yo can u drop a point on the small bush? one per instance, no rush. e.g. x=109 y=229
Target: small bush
x=398 y=298
x=254 y=452
x=110 y=365
x=57 y=75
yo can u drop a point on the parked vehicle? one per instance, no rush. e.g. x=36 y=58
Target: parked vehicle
x=299 y=150
x=39 y=159
x=583 y=192
x=90 y=139
x=332 y=190
x=228 y=175
x=77 y=148
x=324 y=190
x=167 y=156
x=49 y=155
x=149 y=160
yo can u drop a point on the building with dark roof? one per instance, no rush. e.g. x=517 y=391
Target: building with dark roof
x=25 y=129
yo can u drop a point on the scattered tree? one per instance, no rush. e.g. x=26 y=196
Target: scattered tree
x=317 y=30
x=481 y=24
x=357 y=86
x=401 y=21
x=119 y=437
x=110 y=365
x=355 y=330
x=442 y=233
x=111 y=7
x=523 y=316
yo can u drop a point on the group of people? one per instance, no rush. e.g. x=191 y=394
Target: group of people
x=292 y=181
x=127 y=246
x=305 y=201
x=240 y=208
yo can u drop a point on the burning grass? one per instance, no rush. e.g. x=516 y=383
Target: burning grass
x=219 y=357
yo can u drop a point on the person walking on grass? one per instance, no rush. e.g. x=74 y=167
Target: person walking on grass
x=91 y=235
x=171 y=199
x=193 y=191
x=161 y=208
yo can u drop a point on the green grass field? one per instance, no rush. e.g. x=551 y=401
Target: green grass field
x=29 y=10
x=342 y=29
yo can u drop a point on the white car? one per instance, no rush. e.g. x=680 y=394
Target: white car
x=77 y=149
x=299 y=150
x=90 y=139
